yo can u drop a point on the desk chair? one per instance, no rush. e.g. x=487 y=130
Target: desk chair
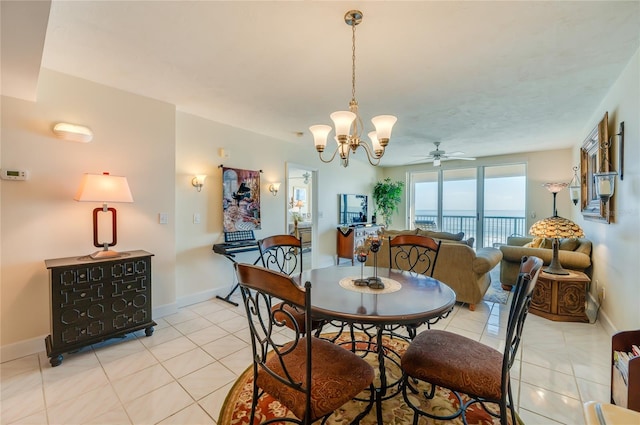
x=310 y=386
x=452 y=361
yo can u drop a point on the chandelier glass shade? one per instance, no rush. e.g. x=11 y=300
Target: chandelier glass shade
x=348 y=124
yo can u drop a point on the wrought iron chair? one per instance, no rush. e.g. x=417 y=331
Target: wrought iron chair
x=415 y=254
x=282 y=253
x=309 y=376
x=452 y=361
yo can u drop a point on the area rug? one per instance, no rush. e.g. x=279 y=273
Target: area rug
x=495 y=293
x=236 y=409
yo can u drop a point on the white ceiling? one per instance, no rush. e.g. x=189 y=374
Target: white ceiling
x=484 y=78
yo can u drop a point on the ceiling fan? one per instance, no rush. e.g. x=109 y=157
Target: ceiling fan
x=438 y=155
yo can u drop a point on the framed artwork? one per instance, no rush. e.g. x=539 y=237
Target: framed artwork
x=299 y=194
x=595 y=150
x=240 y=199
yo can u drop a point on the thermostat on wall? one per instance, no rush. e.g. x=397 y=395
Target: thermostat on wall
x=7 y=174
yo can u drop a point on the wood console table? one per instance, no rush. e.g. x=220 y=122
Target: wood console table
x=561 y=297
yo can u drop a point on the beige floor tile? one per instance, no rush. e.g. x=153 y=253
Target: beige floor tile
x=212 y=403
x=224 y=346
x=124 y=366
x=158 y=405
x=76 y=383
x=208 y=334
x=19 y=366
x=193 y=414
x=192 y=325
x=85 y=407
x=206 y=380
x=141 y=382
x=38 y=418
x=551 y=380
x=557 y=407
x=172 y=348
x=188 y=362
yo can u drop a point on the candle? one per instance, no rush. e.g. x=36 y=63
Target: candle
x=604 y=187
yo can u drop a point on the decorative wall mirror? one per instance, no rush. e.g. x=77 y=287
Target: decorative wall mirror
x=595 y=150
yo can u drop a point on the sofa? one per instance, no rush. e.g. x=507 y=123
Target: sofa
x=573 y=254
x=466 y=271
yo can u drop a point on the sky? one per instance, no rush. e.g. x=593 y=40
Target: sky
x=503 y=193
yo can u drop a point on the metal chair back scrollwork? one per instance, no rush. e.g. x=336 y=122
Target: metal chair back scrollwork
x=311 y=387
x=282 y=253
x=413 y=253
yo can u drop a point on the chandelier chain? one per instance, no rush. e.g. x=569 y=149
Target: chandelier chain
x=353 y=62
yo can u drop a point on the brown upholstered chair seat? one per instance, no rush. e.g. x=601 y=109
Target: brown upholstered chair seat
x=335 y=370
x=453 y=361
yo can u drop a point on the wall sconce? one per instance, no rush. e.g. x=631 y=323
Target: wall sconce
x=574 y=187
x=198 y=181
x=274 y=188
x=73 y=132
x=605 y=181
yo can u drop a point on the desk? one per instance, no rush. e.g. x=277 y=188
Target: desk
x=420 y=299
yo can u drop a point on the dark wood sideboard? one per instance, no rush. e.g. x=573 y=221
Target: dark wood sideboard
x=94 y=300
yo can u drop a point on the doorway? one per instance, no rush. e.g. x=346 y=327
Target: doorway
x=301 y=209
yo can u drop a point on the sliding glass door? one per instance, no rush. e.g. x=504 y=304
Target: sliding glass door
x=424 y=200
x=459 y=200
x=504 y=200
x=486 y=203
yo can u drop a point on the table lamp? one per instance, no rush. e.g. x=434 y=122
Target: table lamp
x=104 y=188
x=556 y=227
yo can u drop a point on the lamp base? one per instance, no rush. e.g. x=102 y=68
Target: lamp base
x=556 y=270
x=554 y=267
x=105 y=253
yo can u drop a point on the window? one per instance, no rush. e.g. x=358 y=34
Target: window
x=486 y=202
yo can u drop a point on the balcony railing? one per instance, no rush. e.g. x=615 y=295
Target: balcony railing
x=496 y=228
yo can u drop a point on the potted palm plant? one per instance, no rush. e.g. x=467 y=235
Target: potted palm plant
x=387 y=195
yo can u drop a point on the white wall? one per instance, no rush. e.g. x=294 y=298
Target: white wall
x=200 y=272
x=40 y=220
x=616 y=253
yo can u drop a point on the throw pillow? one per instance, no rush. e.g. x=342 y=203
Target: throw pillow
x=569 y=244
x=535 y=243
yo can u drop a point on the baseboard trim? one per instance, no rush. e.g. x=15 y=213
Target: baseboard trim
x=23 y=348
x=36 y=345
x=602 y=317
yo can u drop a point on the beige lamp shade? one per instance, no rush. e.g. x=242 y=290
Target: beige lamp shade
x=556 y=227
x=103 y=188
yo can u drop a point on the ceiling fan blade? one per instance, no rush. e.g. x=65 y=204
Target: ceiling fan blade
x=456 y=153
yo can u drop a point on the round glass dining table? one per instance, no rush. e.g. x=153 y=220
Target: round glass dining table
x=407 y=299
x=411 y=298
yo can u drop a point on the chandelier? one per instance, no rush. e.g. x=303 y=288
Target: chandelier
x=348 y=124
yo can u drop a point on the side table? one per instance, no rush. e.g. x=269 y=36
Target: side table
x=561 y=297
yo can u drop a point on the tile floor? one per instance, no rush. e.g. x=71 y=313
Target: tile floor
x=182 y=373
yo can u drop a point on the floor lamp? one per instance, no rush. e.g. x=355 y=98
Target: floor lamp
x=104 y=188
